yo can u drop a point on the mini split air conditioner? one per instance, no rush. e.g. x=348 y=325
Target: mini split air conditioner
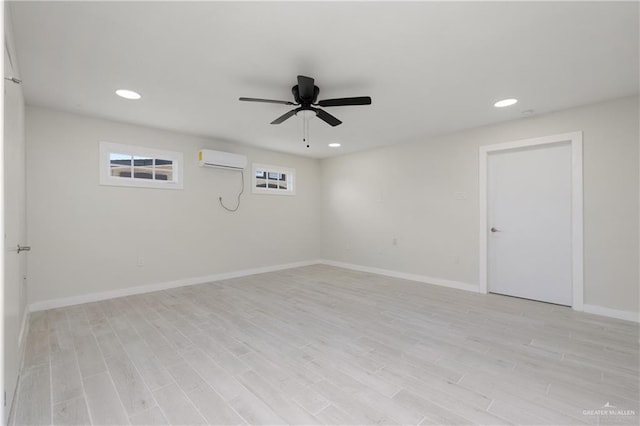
x=225 y=160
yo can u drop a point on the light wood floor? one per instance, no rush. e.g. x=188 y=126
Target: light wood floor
x=325 y=345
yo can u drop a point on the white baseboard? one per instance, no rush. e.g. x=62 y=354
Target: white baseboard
x=612 y=313
x=591 y=309
x=112 y=294
x=22 y=338
x=405 y=276
x=24 y=329
x=96 y=297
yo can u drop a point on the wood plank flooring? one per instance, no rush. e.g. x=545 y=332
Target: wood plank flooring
x=323 y=345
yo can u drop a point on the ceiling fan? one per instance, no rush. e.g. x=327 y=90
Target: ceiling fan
x=305 y=94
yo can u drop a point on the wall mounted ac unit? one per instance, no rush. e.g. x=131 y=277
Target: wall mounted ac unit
x=226 y=160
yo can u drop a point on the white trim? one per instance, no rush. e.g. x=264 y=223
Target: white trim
x=612 y=313
x=405 y=276
x=22 y=339
x=291 y=179
x=24 y=329
x=96 y=297
x=575 y=139
x=591 y=309
x=106 y=148
x=577 y=227
x=5 y=418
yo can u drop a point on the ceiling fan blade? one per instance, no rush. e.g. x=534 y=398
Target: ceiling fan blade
x=305 y=87
x=328 y=118
x=269 y=101
x=285 y=116
x=360 y=100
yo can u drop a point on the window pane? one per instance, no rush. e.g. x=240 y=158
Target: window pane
x=120 y=165
x=261 y=179
x=163 y=169
x=273 y=180
x=142 y=168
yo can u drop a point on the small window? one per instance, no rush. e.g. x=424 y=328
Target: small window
x=273 y=180
x=127 y=165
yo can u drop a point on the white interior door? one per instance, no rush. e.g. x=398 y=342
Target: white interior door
x=15 y=230
x=529 y=216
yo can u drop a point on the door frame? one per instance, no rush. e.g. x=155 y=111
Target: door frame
x=577 y=271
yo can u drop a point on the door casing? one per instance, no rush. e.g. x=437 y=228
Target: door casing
x=13 y=220
x=575 y=140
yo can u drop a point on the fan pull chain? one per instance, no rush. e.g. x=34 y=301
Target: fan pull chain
x=305 y=131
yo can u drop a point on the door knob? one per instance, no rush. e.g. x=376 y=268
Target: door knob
x=23 y=248
x=494 y=229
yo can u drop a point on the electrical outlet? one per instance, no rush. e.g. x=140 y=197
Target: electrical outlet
x=140 y=263
x=460 y=195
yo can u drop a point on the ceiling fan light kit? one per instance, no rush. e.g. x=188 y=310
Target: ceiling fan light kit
x=305 y=95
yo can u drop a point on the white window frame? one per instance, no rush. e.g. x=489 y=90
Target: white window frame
x=291 y=179
x=107 y=148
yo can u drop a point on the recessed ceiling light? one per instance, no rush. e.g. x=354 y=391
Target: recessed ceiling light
x=334 y=145
x=128 y=94
x=505 y=103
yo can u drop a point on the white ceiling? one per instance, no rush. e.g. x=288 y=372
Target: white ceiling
x=431 y=68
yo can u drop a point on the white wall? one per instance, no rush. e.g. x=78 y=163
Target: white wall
x=87 y=238
x=408 y=191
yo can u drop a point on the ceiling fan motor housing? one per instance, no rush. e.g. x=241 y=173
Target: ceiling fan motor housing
x=303 y=101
